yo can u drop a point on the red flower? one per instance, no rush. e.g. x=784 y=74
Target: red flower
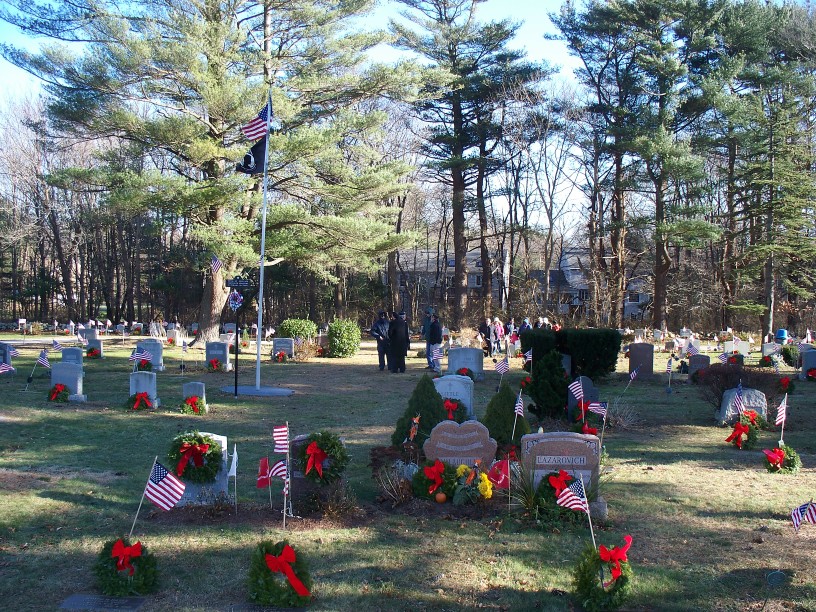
x=589 y=430
x=462 y=371
x=784 y=382
x=526 y=381
x=732 y=360
x=281 y=355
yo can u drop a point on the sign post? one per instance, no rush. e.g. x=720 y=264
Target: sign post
x=235 y=301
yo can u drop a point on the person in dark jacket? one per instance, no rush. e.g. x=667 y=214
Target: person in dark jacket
x=379 y=329
x=484 y=332
x=434 y=341
x=400 y=342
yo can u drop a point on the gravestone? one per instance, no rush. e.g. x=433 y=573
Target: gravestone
x=591 y=393
x=769 y=348
x=657 y=335
x=226 y=338
x=460 y=444
x=219 y=351
x=287 y=345
x=120 y=329
x=692 y=342
x=91 y=333
x=174 y=335
x=97 y=344
x=229 y=328
x=566 y=363
x=471 y=358
x=752 y=399
x=73 y=354
x=137 y=328
x=640 y=335
x=728 y=347
x=141 y=382
x=804 y=347
x=70 y=375
x=685 y=332
x=744 y=348
x=577 y=454
x=641 y=354
x=669 y=346
x=206 y=494
x=303 y=489
x=156 y=349
x=456 y=387
x=808 y=363
x=5 y=353
x=197 y=389
x=698 y=362
x=194 y=328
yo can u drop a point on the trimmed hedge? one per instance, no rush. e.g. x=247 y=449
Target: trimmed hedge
x=594 y=352
x=344 y=338
x=297 y=328
x=501 y=415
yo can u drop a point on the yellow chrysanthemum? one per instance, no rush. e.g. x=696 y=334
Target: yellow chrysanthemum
x=486 y=488
x=462 y=470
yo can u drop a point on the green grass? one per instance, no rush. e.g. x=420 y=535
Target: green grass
x=708 y=522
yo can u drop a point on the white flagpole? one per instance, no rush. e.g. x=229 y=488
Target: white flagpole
x=269 y=482
x=782 y=433
x=263 y=245
x=603 y=429
x=132 y=527
x=589 y=518
x=287 y=486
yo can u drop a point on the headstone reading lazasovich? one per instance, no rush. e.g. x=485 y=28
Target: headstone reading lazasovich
x=145 y=382
x=752 y=399
x=219 y=351
x=70 y=375
x=197 y=389
x=287 y=345
x=456 y=387
x=591 y=393
x=156 y=350
x=72 y=354
x=463 y=444
x=207 y=494
x=808 y=363
x=698 y=362
x=471 y=358
x=641 y=356
x=577 y=454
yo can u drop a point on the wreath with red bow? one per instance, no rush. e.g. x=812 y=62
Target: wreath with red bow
x=193 y=405
x=139 y=401
x=279 y=576
x=613 y=564
x=58 y=393
x=323 y=458
x=93 y=353
x=123 y=569
x=213 y=365
x=782 y=460
x=432 y=478
x=195 y=457
x=746 y=431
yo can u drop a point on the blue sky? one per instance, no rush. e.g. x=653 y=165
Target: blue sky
x=15 y=82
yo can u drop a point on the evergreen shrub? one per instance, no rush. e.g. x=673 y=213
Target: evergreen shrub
x=297 y=328
x=500 y=416
x=344 y=338
x=548 y=389
x=426 y=402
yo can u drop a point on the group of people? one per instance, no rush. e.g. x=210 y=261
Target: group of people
x=393 y=340
x=499 y=337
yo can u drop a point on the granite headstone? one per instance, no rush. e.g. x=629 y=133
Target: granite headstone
x=145 y=382
x=457 y=444
x=219 y=351
x=197 y=389
x=69 y=374
x=287 y=345
x=641 y=356
x=456 y=387
x=575 y=453
x=471 y=358
x=752 y=399
x=207 y=494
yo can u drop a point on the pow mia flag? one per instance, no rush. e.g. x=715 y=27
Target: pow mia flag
x=254 y=159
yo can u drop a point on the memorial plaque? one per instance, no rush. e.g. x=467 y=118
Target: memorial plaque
x=287 y=345
x=69 y=374
x=471 y=358
x=591 y=393
x=156 y=349
x=208 y=493
x=101 y=603
x=577 y=454
x=457 y=444
x=641 y=355
x=197 y=389
x=219 y=351
x=698 y=362
x=141 y=382
x=456 y=387
x=752 y=399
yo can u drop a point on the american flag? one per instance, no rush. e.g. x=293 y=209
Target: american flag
x=775 y=365
x=81 y=340
x=13 y=352
x=43 y=359
x=503 y=366
x=598 y=408
x=577 y=389
x=805 y=513
x=634 y=373
x=139 y=354
x=692 y=350
x=808 y=337
x=257 y=127
x=519 y=407
x=280 y=434
x=80 y=326
x=184 y=346
x=668 y=366
x=438 y=353
x=528 y=356
x=723 y=358
x=215 y=264
x=6 y=367
x=573 y=497
x=56 y=345
x=279 y=470
x=782 y=411
x=738 y=403
x=163 y=489
x=736 y=342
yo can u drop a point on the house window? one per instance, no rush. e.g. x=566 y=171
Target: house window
x=478 y=280
x=583 y=294
x=478 y=263
x=634 y=297
x=451 y=263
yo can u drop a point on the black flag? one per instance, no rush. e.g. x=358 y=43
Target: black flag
x=254 y=159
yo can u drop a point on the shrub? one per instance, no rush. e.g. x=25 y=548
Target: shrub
x=294 y=328
x=714 y=380
x=594 y=352
x=500 y=417
x=344 y=338
x=549 y=386
x=426 y=402
x=790 y=355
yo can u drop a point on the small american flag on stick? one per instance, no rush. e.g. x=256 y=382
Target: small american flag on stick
x=280 y=434
x=577 y=389
x=573 y=497
x=502 y=367
x=163 y=489
x=598 y=408
x=43 y=360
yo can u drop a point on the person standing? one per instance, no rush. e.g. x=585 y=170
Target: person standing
x=498 y=335
x=434 y=341
x=484 y=334
x=426 y=327
x=380 y=332
x=400 y=340
x=525 y=326
x=510 y=332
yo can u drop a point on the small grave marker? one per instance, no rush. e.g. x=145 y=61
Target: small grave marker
x=219 y=351
x=141 y=382
x=206 y=493
x=69 y=374
x=641 y=355
x=287 y=345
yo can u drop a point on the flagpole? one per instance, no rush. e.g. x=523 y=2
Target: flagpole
x=603 y=429
x=583 y=412
x=141 y=501
x=263 y=244
x=782 y=433
x=589 y=518
x=287 y=485
x=30 y=377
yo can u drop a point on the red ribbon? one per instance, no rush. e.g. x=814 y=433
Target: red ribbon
x=191 y=451
x=589 y=430
x=123 y=554
x=282 y=563
x=192 y=402
x=775 y=457
x=752 y=416
x=58 y=388
x=142 y=398
x=615 y=555
x=559 y=483
x=316 y=458
x=434 y=472
x=451 y=407
x=736 y=435
x=582 y=406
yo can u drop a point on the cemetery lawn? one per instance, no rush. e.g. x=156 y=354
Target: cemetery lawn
x=708 y=522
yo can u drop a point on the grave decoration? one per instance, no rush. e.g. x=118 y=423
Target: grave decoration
x=93 y=353
x=144 y=365
x=59 y=393
x=455 y=409
x=171 y=341
x=280 y=357
x=193 y=405
x=811 y=375
x=782 y=460
x=593 y=594
x=434 y=477
x=425 y=403
x=123 y=569
x=196 y=457
x=139 y=401
x=214 y=365
x=472 y=485
x=467 y=372
x=546 y=494
x=786 y=384
x=323 y=457
x=279 y=576
x=748 y=425
x=766 y=361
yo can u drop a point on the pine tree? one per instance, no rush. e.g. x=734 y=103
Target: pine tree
x=500 y=417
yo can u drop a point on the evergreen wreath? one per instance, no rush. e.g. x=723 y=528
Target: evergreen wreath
x=548 y=510
x=467 y=372
x=144 y=365
x=332 y=465
x=192 y=405
x=120 y=582
x=280 y=357
x=213 y=365
x=93 y=353
x=791 y=464
x=58 y=393
x=750 y=431
x=139 y=401
x=587 y=584
x=786 y=384
x=274 y=588
x=423 y=485
x=210 y=461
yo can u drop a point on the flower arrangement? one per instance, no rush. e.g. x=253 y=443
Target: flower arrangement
x=279 y=576
x=67 y=332
x=744 y=427
x=123 y=569
x=466 y=372
x=93 y=353
x=144 y=365
x=782 y=460
x=526 y=382
x=320 y=351
x=280 y=357
x=213 y=365
x=244 y=344
x=197 y=457
x=434 y=477
x=323 y=457
x=192 y=405
x=811 y=375
x=58 y=393
x=472 y=485
x=593 y=594
x=786 y=384
x=171 y=341
x=766 y=362
x=139 y=401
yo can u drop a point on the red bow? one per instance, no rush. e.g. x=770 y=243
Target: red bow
x=559 y=483
x=784 y=382
x=589 y=430
x=58 y=388
x=142 y=398
x=451 y=407
x=775 y=457
x=582 y=406
x=752 y=416
x=194 y=451
x=282 y=563
x=123 y=554
x=615 y=555
x=434 y=472
x=736 y=435
x=316 y=458
x=192 y=402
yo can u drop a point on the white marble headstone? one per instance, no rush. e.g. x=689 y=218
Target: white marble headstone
x=456 y=387
x=471 y=358
x=70 y=375
x=156 y=349
x=197 y=389
x=141 y=382
x=72 y=354
x=220 y=351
